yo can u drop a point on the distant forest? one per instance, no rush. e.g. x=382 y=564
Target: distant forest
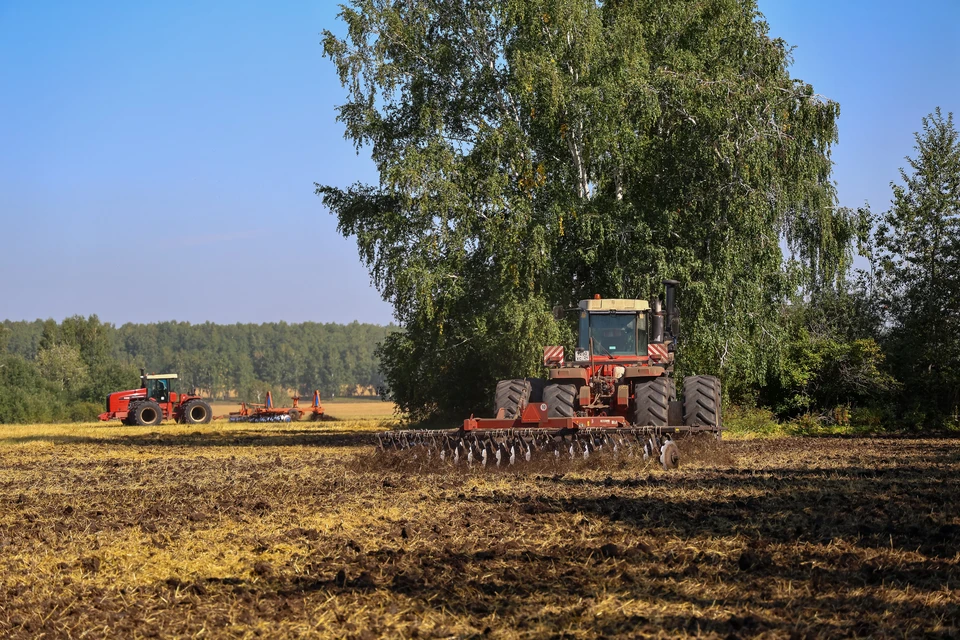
x=81 y=359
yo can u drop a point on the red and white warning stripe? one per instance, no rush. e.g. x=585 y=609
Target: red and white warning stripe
x=657 y=351
x=552 y=355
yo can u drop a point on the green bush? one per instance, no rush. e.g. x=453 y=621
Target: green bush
x=807 y=425
x=749 y=422
x=869 y=417
x=84 y=412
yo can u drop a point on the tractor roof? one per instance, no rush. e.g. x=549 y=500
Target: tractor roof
x=614 y=304
x=162 y=376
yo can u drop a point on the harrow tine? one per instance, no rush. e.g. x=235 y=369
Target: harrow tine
x=508 y=448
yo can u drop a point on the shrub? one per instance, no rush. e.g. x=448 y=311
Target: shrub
x=807 y=425
x=84 y=412
x=751 y=422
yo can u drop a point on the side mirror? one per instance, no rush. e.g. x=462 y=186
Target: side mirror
x=559 y=312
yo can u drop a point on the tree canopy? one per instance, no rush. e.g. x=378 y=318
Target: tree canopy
x=535 y=152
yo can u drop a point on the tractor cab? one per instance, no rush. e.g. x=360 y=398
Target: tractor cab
x=612 y=328
x=158 y=386
x=615 y=327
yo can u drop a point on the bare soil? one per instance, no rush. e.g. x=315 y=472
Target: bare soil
x=299 y=531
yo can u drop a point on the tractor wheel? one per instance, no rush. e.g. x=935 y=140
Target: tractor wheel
x=701 y=401
x=147 y=413
x=197 y=412
x=536 y=389
x=294 y=414
x=652 y=402
x=560 y=400
x=512 y=396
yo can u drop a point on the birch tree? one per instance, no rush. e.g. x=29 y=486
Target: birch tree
x=537 y=152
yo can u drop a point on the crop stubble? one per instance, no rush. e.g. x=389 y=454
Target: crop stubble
x=293 y=531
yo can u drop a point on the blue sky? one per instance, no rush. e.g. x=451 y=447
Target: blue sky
x=158 y=158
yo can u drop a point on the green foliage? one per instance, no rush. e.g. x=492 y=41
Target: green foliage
x=62 y=365
x=807 y=424
x=538 y=152
x=919 y=245
x=84 y=411
x=832 y=357
x=106 y=377
x=826 y=371
x=872 y=418
x=752 y=422
x=25 y=396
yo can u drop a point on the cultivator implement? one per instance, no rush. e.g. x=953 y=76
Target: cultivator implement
x=500 y=442
x=268 y=413
x=315 y=411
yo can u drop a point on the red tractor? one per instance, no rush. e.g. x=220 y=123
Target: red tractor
x=623 y=368
x=155 y=402
x=617 y=394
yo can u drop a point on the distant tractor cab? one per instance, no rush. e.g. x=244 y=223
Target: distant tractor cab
x=156 y=401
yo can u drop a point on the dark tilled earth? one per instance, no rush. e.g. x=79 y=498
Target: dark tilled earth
x=233 y=533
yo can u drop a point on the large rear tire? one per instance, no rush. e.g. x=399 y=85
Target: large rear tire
x=147 y=413
x=652 y=402
x=701 y=401
x=560 y=400
x=512 y=396
x=197 y=412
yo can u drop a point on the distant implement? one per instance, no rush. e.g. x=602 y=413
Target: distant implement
x=266 y=412
x=617 y=395
x=155 y=402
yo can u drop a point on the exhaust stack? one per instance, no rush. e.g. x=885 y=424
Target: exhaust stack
x=656 y=321
x=672 y=316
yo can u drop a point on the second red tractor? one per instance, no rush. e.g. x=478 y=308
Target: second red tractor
x=154 y=402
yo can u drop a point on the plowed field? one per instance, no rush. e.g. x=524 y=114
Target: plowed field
x=293 y=530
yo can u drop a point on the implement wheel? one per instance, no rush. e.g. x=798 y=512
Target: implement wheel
x=147 y=413
x=197 y=412
x=560 y=400
x=701 y=401
x=512 y=396
x=669 y=455
x=294 y=414
x=652 y=402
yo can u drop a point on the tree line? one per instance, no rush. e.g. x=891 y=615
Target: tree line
x=537 y=152
x=53 y=371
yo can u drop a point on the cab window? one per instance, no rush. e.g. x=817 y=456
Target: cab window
x=159 y=389
x=614 y=333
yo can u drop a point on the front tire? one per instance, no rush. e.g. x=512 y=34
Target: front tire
x=197 y=412
x=701 y=401
x=560 y=400
x=652 y=402
x=147 y=414
x=512 y=396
